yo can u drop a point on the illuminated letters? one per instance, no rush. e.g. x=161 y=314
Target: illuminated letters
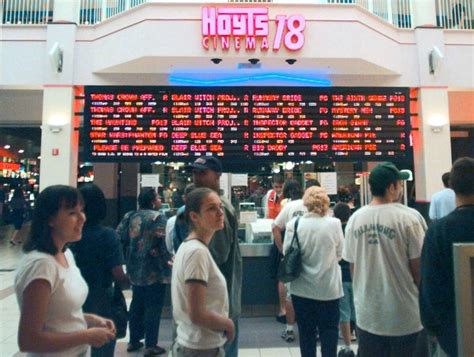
x=248 y=27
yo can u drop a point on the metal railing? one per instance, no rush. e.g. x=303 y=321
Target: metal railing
x=94 y=11
x=457 y=14
x=27 y=12
x=396 y=12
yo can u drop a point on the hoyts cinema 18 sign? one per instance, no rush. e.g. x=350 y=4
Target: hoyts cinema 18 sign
x=248 y=28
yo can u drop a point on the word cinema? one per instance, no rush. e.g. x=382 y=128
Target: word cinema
x=248 y=28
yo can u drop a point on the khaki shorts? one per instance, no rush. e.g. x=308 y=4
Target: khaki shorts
x=180 y=351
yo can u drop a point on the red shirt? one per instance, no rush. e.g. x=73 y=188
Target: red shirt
x=274 y=204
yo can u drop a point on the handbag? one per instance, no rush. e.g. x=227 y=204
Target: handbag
x=119 y=312
x=291 y=263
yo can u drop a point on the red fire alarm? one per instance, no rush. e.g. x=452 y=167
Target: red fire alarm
x=55 y=152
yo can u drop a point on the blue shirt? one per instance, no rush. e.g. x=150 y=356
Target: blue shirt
x=442 y=204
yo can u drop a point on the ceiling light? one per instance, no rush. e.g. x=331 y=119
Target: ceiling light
x=7 y=147
x=21 y=151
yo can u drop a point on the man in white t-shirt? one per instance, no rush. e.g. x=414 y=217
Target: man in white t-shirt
x=383 y=246
x=294 y=208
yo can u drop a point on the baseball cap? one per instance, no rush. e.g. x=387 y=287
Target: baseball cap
x=207 y=163
x=385 y=173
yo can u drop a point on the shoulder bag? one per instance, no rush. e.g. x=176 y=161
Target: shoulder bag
x=291 y=263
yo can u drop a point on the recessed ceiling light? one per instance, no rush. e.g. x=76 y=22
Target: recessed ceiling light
x=21 y=151
x=7 y=147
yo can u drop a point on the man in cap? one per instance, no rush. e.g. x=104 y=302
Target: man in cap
x=383 y=246
x=437 y=298
x=224 y=246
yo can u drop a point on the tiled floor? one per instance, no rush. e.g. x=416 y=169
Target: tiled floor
x=259 y=336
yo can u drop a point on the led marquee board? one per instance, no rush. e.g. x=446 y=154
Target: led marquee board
x=246 y=123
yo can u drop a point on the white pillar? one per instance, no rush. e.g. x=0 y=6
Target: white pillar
x=59 y=139
x=66 y=10
x=432 y=147
x=433 y=152
x=424 y=13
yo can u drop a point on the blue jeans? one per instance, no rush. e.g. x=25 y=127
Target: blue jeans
x=232 y=349
x=145 y=313
x=317 y=315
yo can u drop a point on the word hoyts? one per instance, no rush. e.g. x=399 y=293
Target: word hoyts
x=244 y=27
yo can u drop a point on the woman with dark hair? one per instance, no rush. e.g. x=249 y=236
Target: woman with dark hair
x=147 y=267
x=49 y=287
x=99 y=257
x=198 y=288
x=18 y=213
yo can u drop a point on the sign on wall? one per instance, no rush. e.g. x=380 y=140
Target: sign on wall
x=250 y=28
x=246 y=123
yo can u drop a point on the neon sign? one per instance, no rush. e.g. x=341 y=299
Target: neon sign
x=248 y=28
x=9 y=166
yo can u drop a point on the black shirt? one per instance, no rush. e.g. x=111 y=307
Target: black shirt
x=437 y=297
x=96 y=254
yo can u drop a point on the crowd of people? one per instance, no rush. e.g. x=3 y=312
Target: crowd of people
x=378 y=268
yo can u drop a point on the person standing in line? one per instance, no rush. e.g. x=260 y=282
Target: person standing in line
x=383 y=246
x=147 y=268
x=294 y=208
x=342 y=211
x=198 y=288
x=180 y=228
x=316 y=292
x=344 y=195
x=444 y=201
x=292 y=192
x=49 y=287
x=271 y=202
x=99 y=257
x=437 y=297
x=18 y=213
x=224 y=246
